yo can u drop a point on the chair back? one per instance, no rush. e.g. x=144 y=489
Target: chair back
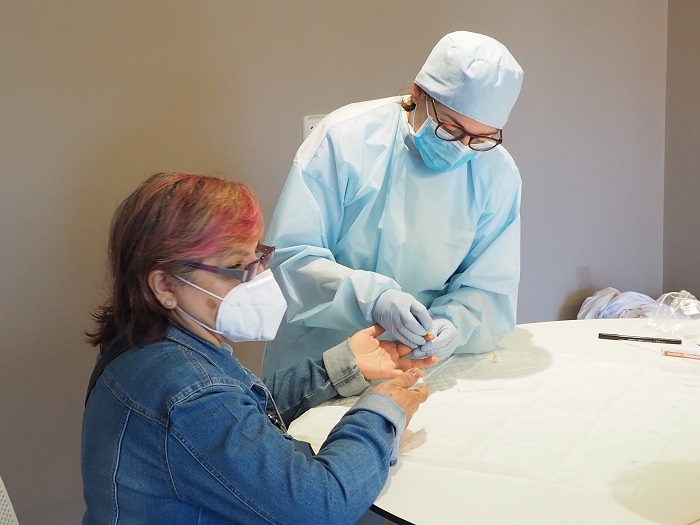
x=7 y=513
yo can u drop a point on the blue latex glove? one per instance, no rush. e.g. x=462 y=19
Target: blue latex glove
x=445 y=342
x=404 y=317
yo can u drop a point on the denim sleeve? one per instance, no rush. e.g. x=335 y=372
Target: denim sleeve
x=341 y=366
x=313 y=381
x=300 y=387
x=382 y=405
x=223 y=454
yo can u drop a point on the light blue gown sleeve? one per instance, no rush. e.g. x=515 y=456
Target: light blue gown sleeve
x=306 y=225
x=481 y=297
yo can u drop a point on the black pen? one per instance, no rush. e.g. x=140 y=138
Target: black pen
x=618 y=337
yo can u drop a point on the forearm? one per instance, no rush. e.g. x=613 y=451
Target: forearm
x=324 y=294
x=314 y=381
x=381 y=405
x=481 y=301
x=306 y=228
x=481 y=318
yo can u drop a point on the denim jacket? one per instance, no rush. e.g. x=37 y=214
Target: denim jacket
x=178 y=432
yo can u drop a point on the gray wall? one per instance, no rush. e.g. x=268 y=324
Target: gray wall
x=682 y=183
x=96 y=96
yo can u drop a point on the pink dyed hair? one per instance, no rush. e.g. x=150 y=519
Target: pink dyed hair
x=171 y=219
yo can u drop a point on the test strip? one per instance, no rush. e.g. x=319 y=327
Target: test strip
x=673 y=353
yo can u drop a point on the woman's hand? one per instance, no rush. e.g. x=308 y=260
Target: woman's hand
x=383 y=359
x=402 y=390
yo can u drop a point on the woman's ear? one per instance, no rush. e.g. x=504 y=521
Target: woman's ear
x=416 y=93
x=161 y=285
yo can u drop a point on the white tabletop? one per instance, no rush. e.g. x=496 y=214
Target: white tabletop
x=560 y=427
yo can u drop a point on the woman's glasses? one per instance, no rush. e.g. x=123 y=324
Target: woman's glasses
x=246 y=274
x=452 y=132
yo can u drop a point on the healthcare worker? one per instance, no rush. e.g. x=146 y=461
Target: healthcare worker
x=405 y=211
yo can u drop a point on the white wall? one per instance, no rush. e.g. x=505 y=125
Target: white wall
x=96 y=96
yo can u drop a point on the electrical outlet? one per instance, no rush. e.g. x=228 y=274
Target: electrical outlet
x=310 y=122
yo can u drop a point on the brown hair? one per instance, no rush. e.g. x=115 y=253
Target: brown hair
x=171 y=219
x=407 y=103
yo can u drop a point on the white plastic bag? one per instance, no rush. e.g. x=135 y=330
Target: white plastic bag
x=677 y=314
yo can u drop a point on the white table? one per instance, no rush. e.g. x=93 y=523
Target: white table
x=561 y=428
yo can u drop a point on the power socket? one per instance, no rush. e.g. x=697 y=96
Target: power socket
x=309 y=123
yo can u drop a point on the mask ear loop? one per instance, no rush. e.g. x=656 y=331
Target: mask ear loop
x=428 y=118
x=415 y=110
x=200 y=323
x=198 y=288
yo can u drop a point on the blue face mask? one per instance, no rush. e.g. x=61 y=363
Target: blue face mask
x=440 y=155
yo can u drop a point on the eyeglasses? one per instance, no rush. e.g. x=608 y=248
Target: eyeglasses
x=246 y=274
x=452 y=132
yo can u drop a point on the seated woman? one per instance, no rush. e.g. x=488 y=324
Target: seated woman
x=175 y=430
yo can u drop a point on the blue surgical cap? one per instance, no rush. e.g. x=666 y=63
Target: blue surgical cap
x=473 y=75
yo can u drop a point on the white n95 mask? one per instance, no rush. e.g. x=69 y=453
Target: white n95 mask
x=251 y=311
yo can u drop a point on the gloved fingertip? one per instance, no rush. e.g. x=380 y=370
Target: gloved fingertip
x=415 y=339
x=407 y=343
x=428 y=347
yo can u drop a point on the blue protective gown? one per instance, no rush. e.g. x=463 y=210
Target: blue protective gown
x=360 y=213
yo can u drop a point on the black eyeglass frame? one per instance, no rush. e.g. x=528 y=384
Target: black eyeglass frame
x=245 y=275
x=451 y=137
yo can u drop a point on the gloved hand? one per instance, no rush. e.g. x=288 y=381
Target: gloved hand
x=445 y=342
x=403 y=316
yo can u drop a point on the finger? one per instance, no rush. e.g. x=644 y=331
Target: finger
x=410 y=322
x=427 y=349
x=409 y=337
x=408 y=378
x=396 y=372
x=434 y=346
x=420 y=312
x=403 y=340
x=374 y=331
x=413 y=358
x=418 y=353
x=403 y=350
x=389 y=346
x=424 y=363
x=422 y=392
x=445 y=340
x=405 y=364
